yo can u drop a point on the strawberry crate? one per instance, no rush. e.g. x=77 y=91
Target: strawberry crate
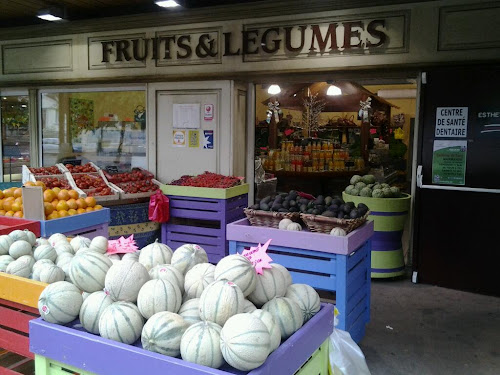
x=335 y=264
x=18 y=305
x=69 y=349
x=201 y=220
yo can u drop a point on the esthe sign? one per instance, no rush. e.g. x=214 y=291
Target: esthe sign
x=256 y=42
x=451 y=122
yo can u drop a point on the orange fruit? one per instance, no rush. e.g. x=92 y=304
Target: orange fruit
x=48 y=208
x=62 y=206
x=16 y=207
x=49 y=195
x=54 y=203
x=19 y=200
x=63 y=213
x=8 y=193
x=53 y=215
x=40 y=183
x=29 y=183
x=2 y=212
x=19 y=214
x=56 y=190
x=1 y=194
x=18 y=192
x=90 y=201
x=89 y=209
x=72 y=212
x=81 y=210
x=63 y=195
x=72 y=204
x=73 y=194
x=10 y=213
x=97 y=207
x=7 y=205
x=81 y=203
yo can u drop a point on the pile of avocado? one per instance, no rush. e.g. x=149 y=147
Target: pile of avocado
x=325 y=206
x=367 y=186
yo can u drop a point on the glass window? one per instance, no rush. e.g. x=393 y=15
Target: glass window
x=15 y=136
x=107 y=128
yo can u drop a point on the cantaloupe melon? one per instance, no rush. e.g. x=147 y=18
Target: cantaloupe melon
x=45 y=252
x=38 y=266
x=269 y=285
x=248 y=306
x=80 y=242
x=5 y=260
x=60 y=303
x=155 y=254
x=187 y=256
x=158 y=295
x=64 y=258
x=92 y=308
x=162 y=333
x=51 y=274
x=18 y=235
x=221 y=300
x=284 y=272
x=272 y=327
x=5 y=242
x=57 y=237
x=41 y=241
x=125 y=279
x=88 y=270
x=31 y=237
x=132 y=256
x=190 y=311
x=307 y=299
x=239 y=270
x=197 y=279
x=63 y=247
x=168 y=272
x=20 y=248
x=122 y=322
x=245 y=342
x=99 y=244
x=200 y=344
x=28 y=259
x=19 y=268
x=287 y=314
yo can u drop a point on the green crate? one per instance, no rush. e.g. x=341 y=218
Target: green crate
x=317 y=363
x=190 y=191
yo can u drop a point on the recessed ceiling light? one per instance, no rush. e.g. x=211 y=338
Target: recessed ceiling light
x=274 y=89
x=167 y=3
x=51 y=14
x=49 y=17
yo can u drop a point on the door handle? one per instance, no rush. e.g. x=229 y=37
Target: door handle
x=420 y=184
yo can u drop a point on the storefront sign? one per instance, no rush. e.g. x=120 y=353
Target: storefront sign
x=451 y=122
x=304 y=38
x=449 y=162
x=489 y=123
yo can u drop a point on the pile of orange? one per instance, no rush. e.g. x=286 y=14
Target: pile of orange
x=57 y=202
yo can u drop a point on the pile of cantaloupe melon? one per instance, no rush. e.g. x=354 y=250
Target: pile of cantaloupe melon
x=177 y=303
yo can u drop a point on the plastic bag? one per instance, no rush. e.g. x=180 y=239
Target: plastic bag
x=346 y=358
x=159 y=207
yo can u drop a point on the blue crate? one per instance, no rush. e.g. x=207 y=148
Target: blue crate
x=89 y=224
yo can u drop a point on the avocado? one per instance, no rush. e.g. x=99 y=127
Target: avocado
x=292 y=203
x=320 y=207
x=341 y=207
x=362 y=211
x=293 y=209
x=282 y=210
x=283 y=195
x=340 y=215
x=316 y=211
x=264 y=206
x=310 y=204
x=310 y=211
x=351 y=205
x=266 y=200
x=337 y=201
x=278 y=199
x=354 y=214
x=362 y=205
x=328 y=214
x=303 y=201
x=255 y=207
x=286 y=204
x=333 y=207
x=276 y=207
x=328 y=201
x=303 y=208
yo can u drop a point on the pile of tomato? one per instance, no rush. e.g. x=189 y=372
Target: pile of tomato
x=54 y=182
x=86 y=168
x=45 y=171
x=135 y=181
x=92 y=184
x=208 y=179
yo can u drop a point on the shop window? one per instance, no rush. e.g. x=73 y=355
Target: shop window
x=15 y=135
x=104 y=127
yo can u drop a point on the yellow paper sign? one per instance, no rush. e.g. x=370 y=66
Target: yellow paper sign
x=194 y=138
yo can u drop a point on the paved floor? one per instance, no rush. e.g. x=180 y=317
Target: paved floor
x=427 y=330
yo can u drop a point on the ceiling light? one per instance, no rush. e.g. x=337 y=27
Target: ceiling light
x=274 y=89
x=167 y=3
x=49 y=17
x=333 y=91
x=51 y=14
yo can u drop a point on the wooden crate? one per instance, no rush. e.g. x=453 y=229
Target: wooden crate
x=202 y=221
x=74 y=350
x=18 y=305
x=8 y=224
x=90 y=224
x=198 y=192
x=336 y=264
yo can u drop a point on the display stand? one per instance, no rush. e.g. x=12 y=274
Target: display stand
x=67 y=349
x=336 y=264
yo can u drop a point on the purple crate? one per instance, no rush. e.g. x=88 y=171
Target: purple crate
x=74 y=347
x=202 y=221
x=336 y=264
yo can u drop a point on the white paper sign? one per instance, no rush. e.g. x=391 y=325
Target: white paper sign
x=186 y=116
x=451 y=122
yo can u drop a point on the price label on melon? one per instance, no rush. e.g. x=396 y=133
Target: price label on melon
x=45 y=309
x=258 y=256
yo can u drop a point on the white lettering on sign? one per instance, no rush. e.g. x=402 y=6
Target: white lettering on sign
x=451 y=122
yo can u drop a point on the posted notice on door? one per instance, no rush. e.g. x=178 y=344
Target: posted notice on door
x=451 y=122
x=449 y=162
